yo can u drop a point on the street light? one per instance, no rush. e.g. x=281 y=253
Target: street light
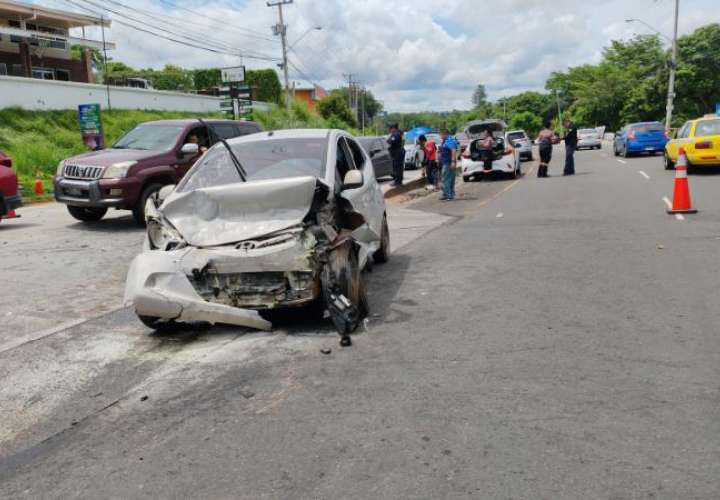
x=314 y=28
x=673 y=64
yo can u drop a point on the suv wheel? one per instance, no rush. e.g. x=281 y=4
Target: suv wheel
x=139 y=209
x=87 y=214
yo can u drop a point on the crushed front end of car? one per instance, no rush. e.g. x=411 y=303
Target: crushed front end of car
x=223 y=254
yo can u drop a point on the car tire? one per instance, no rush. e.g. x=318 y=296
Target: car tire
x=669 y=165
x=466 y=178
x=87 y=214
x=418 y=163
x=615 y=151
x=158 y=324
x=625 y=152
x=139 y=208
x=382 y=254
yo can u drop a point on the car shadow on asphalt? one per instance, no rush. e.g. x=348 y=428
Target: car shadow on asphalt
x=114 y=225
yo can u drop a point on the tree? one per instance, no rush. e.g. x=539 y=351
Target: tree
x=372 y=106
x=529 y=122
x=479 y=96
x=698 y=73
x=267 y=83
x=205 y=79
x=334 y=107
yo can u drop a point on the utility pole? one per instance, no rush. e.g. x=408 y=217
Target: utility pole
x=362 y=96
x=673 y=64
x=350 y=77
x=281 y=29
x=105 y=67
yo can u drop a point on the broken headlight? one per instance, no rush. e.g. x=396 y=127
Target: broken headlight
x=162 y=236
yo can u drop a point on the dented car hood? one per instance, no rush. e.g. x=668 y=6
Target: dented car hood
x=231 y=213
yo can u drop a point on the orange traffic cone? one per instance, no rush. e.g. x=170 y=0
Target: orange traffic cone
x=681 y=193
x=38 y=185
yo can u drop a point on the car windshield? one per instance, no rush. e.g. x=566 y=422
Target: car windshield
x=648 y=127
x=708 y=127
x=265 y=159
x=514 y=136
x=150 y=137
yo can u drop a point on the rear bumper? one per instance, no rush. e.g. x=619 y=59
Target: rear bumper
x=8 y=203
x=120 y=193
x=589 y=144
x=506 y=164
x=638 y=147
x=704 y=160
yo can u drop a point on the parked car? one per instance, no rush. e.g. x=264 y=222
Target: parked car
x=505 y=158
x=462 y=139
x=150 y=156
x=635 y=138
x=377 y=150
x=701 y=140
x=520 y=140
x=588 y=138
x=10 y=198
x=413 y=155
x=290 y=219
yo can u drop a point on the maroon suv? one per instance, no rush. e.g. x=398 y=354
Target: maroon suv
x=145 y=159
x=10 y=198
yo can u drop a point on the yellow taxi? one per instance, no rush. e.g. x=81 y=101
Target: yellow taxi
x=701 y=140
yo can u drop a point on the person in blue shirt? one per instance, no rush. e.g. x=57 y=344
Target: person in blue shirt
x=448 y=150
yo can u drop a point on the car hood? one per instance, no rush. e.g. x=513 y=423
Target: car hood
x=107 y=157
x=231 y=213
x=474 y=128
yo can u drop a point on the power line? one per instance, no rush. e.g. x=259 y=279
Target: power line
x=207 y=46
x=221 y=21
x=185 y=25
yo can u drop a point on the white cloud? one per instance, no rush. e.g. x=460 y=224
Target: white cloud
x=413 y=54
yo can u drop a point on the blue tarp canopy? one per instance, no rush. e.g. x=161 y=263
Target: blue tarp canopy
x=413 y=133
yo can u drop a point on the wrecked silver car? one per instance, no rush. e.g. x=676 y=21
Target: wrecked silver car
x=270 y=220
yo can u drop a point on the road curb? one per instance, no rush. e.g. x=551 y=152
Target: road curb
x=408 y=186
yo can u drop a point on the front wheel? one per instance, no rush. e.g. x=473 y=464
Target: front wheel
x=87 y=214
x=625 y=152
x=669 y=165
x=157 y=324
x=139 y=209
x=382 y=254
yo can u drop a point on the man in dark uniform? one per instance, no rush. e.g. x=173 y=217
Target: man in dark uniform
x=397 y=153
x=571 y=139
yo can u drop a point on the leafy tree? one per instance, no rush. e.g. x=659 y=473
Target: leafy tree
x=526 y=120
x=697 y=82
x=267 y=83
x=334 y=107
x=372 y=106
x=479 y=96
x=206 y=78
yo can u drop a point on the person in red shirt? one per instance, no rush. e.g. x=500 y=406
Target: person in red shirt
x=429 y=149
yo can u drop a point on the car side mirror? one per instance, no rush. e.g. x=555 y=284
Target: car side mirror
x=164 y=192
x=190 y=149
x=353 y=179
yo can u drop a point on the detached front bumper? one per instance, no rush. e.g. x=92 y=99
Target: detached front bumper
x=120 y=193
x=157 y=287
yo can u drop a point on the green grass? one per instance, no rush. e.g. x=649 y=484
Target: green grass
x=37 y=140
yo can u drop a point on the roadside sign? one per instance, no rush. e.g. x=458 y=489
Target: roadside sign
x=243 y=94
x=234 y=74
x=226 y=104
x=91 y=126
x=244 y=102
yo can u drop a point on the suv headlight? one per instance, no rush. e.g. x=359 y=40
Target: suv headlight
x=60 y=167
x=118 y=170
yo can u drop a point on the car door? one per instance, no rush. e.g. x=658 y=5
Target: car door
x=366 y=200
x=681 y=138
x=381 y=159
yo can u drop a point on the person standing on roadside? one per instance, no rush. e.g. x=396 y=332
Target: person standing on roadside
x=545 y=147
x=397 y=153
x=430 y=154
x=571 y=139
x=448 y=150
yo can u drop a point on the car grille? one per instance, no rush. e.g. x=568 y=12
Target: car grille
x=82 y=172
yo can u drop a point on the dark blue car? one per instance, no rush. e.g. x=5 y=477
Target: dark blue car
x=636 y=138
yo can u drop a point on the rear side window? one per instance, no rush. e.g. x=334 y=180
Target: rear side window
x=707 y=127
x=248 y=128
x=225 y=130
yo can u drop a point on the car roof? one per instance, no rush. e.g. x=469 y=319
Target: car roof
x=301 y=133
x=516 y=131
x=192 y=121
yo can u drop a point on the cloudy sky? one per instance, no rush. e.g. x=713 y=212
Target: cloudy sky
x=413 y=55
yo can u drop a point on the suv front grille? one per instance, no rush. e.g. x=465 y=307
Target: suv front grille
x=82 y=172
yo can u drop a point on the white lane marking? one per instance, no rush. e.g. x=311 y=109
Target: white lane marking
x=499 y=215
x=643 y=174
x=667 y=202
x=679 y=217
x=621 y=161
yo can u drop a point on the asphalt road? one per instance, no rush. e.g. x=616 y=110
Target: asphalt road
x=548 y=338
